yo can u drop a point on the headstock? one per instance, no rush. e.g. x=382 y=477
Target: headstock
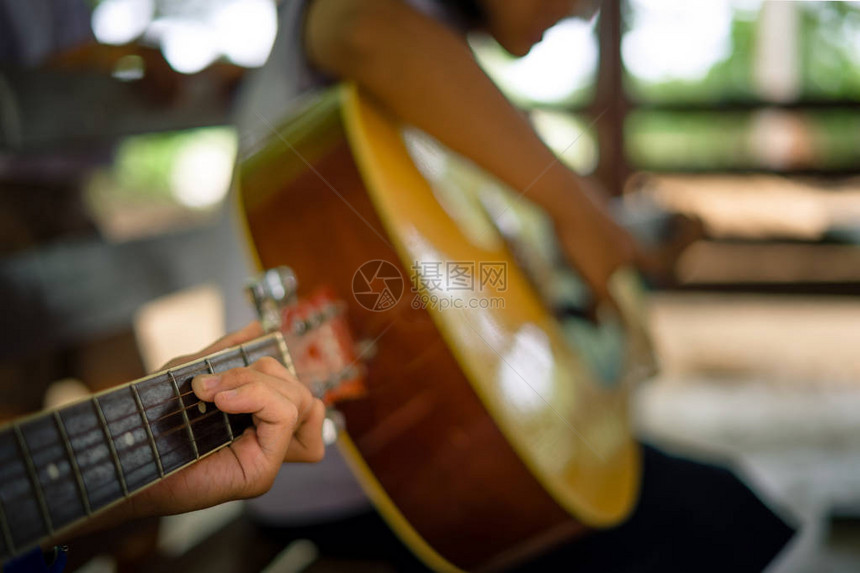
x=316 y=332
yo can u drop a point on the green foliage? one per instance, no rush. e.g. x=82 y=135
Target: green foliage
x=143 y=164
x=836 y=139
x=700 y=140
x=829 y=46
x=724 y=140
x=830 y=50
x=729 y=79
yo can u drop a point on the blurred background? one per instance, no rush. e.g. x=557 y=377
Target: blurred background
x=118 y=251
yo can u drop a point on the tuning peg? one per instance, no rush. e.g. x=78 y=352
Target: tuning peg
x=270 y=292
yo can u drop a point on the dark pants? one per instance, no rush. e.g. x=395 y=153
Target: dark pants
x=690 y=517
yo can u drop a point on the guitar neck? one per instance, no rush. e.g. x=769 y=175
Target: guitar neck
x=61 y=467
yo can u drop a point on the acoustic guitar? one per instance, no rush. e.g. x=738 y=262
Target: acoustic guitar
x=62 y=467
x=493 y=423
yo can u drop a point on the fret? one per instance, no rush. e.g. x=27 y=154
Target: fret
x=62 y=466
x=8 y=460
x=31 y=472
x=92 y=454
x=148 y=429
x=52 y=470
x=7 y=545
x=111 y=446
x=209 y=431
x=235 y=424
x=227 y=427
x=250 y=352
x=24 y=520
x=90 y=446
x=166 y=423
x=224 y=415
x=184 y=411
x=76 y=471
x=128 y=434
x=244 y=353
x=240 y=423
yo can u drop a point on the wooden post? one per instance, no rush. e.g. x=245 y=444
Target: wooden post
x=612 y=168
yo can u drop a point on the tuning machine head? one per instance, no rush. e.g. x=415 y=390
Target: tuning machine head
x=270 y=292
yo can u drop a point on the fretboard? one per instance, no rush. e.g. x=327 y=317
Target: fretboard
x=59 y=468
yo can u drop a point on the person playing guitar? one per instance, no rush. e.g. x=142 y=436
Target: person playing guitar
x=411 y=56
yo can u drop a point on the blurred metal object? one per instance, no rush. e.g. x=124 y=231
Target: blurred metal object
x=333 y=424
x=270 y=292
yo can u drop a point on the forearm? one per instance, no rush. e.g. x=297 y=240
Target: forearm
x=427 y=76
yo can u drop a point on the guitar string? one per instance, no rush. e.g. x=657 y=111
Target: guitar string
x=137 y=413
x=113 y=437
x=306 y=374
x=93 y=494
x=207 y=432
x=142 y=443
x=173 y=397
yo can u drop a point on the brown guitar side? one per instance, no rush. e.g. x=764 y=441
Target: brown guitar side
x=421 y=429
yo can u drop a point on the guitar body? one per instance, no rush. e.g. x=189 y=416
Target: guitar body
x=483 y=436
